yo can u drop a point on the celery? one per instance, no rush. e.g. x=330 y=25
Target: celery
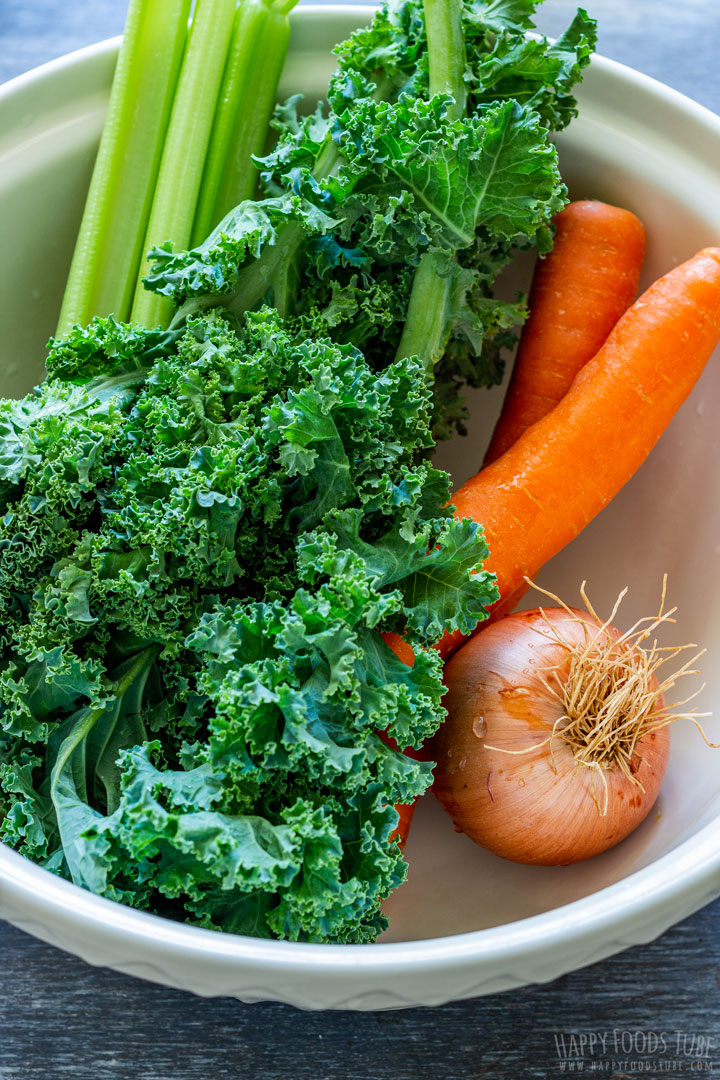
x=188 y=135
x=247 y=97
x=109 y=245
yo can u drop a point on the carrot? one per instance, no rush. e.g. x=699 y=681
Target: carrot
x=405 y=811
x=400 y=647
x=567 y=467
x=405 y=816
x=579 y=292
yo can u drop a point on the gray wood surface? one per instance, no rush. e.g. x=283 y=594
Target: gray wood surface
x=656 y=1007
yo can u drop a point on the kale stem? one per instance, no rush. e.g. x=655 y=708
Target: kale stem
x=186 y=144
x=87 y=722
x=327 y=161
x=446 y=51
x=425 y=331
x=109 y=245
x=247 y=97
x=329 y=158
x=272 y=268
x=426 y=326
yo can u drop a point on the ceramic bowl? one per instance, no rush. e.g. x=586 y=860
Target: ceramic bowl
x=465 y=923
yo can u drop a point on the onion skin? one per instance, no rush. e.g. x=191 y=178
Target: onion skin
x=539 y=807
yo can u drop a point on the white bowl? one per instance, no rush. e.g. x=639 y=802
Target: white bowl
x=465 y=923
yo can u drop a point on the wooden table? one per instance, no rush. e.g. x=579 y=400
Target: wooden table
x=653 y=1005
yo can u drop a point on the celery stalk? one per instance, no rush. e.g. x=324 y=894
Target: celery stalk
x=109 y=244
x=239 y=176
x=257 y=55
x=186 y=144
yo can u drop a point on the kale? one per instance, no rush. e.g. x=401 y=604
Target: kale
x=209 y=529
x=200 y=555
x=356 y=196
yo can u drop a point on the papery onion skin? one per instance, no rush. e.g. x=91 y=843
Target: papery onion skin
x=538 y=807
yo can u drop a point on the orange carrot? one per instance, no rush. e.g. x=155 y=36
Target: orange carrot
x=405 y=816
x=400 y=647
x=567 y=467
x=405 y=811
x=579 y=292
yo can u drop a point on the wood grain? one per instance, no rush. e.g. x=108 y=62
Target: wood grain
x=62 y=1019
x=59 y=1018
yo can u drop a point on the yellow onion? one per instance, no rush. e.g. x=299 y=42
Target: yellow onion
x=556 y=741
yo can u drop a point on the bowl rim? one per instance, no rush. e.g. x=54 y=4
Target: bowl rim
x=689 y=870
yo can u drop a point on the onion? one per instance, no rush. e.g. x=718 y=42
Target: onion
x=556 y=741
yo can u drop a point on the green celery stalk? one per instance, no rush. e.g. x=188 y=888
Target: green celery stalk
x=186 y=144
x=425 y=331
x=257 y=55
x=109 y=244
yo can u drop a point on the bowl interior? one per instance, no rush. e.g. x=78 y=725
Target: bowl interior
x=634 y=145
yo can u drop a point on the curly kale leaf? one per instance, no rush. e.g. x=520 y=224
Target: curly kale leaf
x=194 y=674
x=508 y=65
x=496 y=172
x=229 y=259
x=502 y=61
x=106 y=348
